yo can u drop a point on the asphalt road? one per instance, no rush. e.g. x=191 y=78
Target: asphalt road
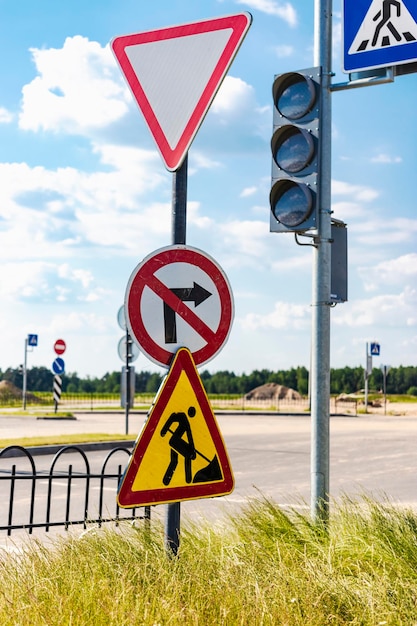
x=270 y=455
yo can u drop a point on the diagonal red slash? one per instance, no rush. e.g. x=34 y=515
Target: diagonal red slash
x=179 y=307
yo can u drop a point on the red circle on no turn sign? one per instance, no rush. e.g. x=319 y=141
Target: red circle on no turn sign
x=60 y=346
x=177 y=297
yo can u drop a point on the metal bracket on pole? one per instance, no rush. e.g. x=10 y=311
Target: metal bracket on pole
x=311 y=245
x=367 y=79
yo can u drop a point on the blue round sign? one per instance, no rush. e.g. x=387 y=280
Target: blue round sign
x=58 y=366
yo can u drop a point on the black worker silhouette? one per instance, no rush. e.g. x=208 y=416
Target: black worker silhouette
x=385 y=19
x=185 y=447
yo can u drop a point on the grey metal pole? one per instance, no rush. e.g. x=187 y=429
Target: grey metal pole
x=127 y=381
x=25 y=360
x=179 y=203
x=179 y=221
x=320 y=361
x=366 y=377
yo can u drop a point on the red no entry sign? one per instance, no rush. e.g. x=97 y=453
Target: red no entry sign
x=60 y=346
x=179 y=297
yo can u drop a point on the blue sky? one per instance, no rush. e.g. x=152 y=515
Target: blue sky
x=85 y=195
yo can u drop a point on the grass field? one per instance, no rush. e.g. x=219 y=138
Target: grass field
x=264 y=567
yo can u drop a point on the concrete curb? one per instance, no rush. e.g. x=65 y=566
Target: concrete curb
x=54 y=449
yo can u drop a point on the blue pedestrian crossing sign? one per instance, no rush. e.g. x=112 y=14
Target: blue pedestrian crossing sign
x=375 y=349
x=32 y=340
x=378 y=33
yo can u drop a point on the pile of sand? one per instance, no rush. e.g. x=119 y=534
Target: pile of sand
x=273 y=391
x=9 y=391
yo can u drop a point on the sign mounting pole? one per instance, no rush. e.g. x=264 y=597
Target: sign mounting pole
x=320 y=361
x=157 y=62
x=179 y=232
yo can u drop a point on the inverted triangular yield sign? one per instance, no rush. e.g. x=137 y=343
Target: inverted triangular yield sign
x=180 y=453
x=174 y=74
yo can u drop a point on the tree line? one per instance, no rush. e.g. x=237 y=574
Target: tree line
x=400 y=380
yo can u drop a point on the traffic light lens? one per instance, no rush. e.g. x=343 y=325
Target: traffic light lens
x=293 y=149
x=291 y=203
x=295 y=96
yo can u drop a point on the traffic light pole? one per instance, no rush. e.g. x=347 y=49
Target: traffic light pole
x=320 y=357
x=179 y=221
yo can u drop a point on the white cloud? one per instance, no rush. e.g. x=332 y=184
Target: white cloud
x=195 y=218
x=386 y=158
x=285 y=11
x=248 y=191
x=247 y=238
x=290 y=263
x=284 y=316
x=357 y=192
x=391 y=272
x=47 y=281
x=284 y=51
x=75 y=89
x=5 y=116
x=388 y=310
x=348 y=210
x=233 y=96
x=51 y=213
x=372 y=232
x=199 y=161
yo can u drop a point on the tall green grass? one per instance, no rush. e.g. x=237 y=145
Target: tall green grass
x=263 y=567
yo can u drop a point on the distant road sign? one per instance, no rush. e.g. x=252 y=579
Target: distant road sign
x=375 y=349
x=60 y=346
x=58 y=366
x=180 y=454
x=174 y=74
x=378 y=33
x=122 y=350
x=121 y=319
x=32 y=340
x=159 y=316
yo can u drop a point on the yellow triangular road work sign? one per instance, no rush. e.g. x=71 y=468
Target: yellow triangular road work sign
x=180 y=453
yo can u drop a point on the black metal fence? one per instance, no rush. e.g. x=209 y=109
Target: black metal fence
x=61 y=495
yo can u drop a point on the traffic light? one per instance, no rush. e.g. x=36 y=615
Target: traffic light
x=295 y=149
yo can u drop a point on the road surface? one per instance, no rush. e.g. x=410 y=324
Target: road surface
x=270 y=455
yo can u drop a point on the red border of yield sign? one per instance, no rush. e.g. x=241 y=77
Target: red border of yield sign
x=144 y=276
x=237 y=24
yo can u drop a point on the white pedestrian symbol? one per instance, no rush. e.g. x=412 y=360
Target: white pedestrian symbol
x=387 y=23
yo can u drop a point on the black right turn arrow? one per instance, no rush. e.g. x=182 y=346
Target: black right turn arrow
x=196 y=294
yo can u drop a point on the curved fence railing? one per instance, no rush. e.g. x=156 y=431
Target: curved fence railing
x=65 y=494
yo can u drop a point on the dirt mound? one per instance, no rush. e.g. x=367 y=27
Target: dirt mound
x=273 y=391
x=9 y=391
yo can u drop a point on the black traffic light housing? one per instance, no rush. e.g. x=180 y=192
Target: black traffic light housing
x=295 y=147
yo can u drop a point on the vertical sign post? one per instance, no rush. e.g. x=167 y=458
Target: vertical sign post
x=179 y=228
x=128 y=390
x=321 y=301
x=385 y=369
x=31 y=340
x=58 y=367
x=162 y=57
x=368 y=372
